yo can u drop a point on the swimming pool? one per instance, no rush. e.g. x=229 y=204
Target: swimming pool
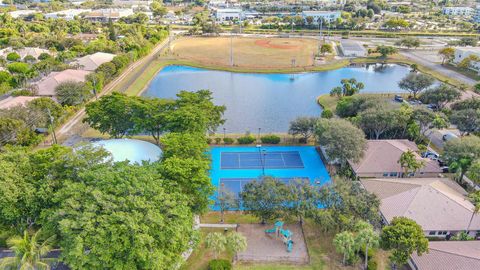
x=235 y=166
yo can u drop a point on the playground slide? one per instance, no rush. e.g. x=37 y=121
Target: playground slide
x=271 y=230
x=289 y=246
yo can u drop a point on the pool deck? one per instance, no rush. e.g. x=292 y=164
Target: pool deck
x=313 y=168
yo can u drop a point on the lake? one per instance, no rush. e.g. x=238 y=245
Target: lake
x=270 y=101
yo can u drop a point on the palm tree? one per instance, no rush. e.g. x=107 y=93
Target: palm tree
x=475 y=199
x=366 y=236
x=28 y=252
x=344 y=243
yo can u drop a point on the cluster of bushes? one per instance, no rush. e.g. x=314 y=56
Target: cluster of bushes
x=270 y=139
x=219 y=264
x=247 y=139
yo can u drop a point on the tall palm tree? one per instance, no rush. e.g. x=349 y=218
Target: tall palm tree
x=475 y=199
x=29 y=251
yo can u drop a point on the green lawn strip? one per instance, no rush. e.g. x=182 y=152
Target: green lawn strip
x=234 y=217
x=200 y=256
x=466 y=72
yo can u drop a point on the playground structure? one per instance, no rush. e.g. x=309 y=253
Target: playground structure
x=286 y=235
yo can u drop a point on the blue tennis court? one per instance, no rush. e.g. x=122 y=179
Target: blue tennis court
x=236 y=184
x=261 y=159
x=234 y=166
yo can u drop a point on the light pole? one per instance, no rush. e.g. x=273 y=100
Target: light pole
x=224 y=129
x=262 y=154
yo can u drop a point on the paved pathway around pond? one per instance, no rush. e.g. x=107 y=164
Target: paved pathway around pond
x=422 y=58
x=268 y=248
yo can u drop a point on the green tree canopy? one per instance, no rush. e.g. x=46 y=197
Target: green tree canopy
x=112 y=114
x=403 y=237
x=461 y=153
x=440 y=95
x=72 y=93
x=342 y=140
x=122 y=209
x=415 y=83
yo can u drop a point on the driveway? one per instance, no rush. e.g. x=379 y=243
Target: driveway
x=422 y=58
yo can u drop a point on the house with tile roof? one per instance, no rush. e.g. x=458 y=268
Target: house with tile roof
x=448 y=255
x=11 y=102
x=439 y=205
x=46 y=86
x=381 y=158
x=32 y=51
x=93 y=61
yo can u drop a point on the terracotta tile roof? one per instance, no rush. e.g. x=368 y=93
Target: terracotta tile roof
x=383 y=155
x=47 y=85
x=450 y=255
x=437 y=204
x=15 y=101
x=93 y=61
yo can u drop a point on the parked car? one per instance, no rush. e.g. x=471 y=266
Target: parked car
x=445 y=169
x=449 y=136
x=441 y=162
x=432 y=107
x=415 y=102
x=398 y=98
x=431 y=155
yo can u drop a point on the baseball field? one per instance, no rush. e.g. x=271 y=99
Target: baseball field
x=262 y=53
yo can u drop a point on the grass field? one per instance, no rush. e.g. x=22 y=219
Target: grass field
x=247 y=52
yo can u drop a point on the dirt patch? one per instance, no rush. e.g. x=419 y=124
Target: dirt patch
x=265 y=43
x=268 y=248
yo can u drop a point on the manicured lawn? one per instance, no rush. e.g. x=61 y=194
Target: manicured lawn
x=200 y=257
x=230 y=218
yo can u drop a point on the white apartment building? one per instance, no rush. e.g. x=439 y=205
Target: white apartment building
x=464 y=52
x=228 y=14
x=68 y=14
x=329 y=16
x=458 y=11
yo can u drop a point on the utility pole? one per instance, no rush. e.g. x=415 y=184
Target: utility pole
x=54 y=136
x=231 y=49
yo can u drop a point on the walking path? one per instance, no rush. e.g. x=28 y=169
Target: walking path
x=416 y=56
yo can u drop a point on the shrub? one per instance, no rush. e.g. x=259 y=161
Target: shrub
x=302 y=140
x=476 y=89
x=248 y=139
x=272 y=139
x=228 y=140
x=13 y=56
x=209 y=140
x=218 y=140
x=22 y=92
x=327 y=114
x=372 y=265
x=219 y=264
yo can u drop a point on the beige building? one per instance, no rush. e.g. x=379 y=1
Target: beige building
x=93 y=61
x=448 y=255
x=439 y=205
x=46 y=86
x=381 y=158
x=11 y=102
x=32 y=51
